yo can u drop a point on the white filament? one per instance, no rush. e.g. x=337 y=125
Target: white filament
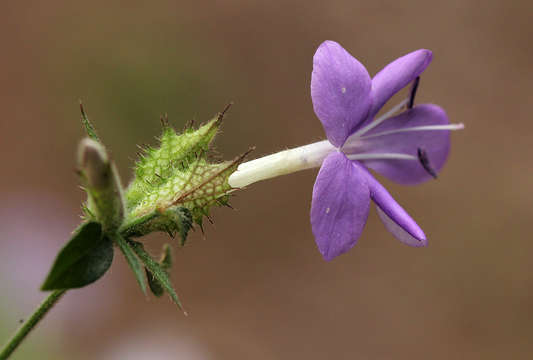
x=391 y=156
x=417 y=128
x=379 y=120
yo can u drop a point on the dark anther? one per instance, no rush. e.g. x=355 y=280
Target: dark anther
x=413 y=93
x=424 y=161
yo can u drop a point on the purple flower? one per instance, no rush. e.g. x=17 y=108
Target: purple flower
x=408 y=148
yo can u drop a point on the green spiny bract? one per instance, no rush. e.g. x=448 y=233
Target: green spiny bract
x=175 y=184
x=156 y=165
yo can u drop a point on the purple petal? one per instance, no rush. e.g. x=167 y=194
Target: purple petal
x=396 y=75
x=436 y=144
x=340 y=205
x=395 y=218
x=400 y=233
x=340 y=90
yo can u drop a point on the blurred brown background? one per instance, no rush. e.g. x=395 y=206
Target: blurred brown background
x=257 y=287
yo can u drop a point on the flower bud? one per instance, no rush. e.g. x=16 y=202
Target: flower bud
x=102 y=183
x=94 y=163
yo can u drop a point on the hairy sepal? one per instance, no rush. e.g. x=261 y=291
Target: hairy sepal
x=166 y=263
x=157 y=270
x=176 y=182
x=176 y=152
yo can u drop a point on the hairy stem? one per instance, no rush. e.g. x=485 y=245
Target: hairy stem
x=29 y=324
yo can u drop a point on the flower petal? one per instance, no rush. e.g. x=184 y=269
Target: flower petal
x=398 y=232
x=340 y=90
x=340 y=205
x=395 y=218
x=394 y=136
x=396 y=75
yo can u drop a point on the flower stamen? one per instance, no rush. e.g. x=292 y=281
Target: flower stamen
x=424 y=161
x=381 y=156
x=459 y=126
x=378 y=121
x=413 y=92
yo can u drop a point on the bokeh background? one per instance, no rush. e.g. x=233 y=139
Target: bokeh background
x=256 y=287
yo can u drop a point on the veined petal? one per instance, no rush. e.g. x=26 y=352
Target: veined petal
x=404 y=134
x=396 y=75
x=340 y=90
x=340 y=205
x=395 y=218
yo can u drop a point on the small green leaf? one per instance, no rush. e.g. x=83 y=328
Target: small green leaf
x=157 y=270
x=166 y=257
x=83 y=260
x=166 y=264
x=132 y=260
x=155 y=286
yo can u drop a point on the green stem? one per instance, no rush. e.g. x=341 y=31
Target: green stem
x=25 y=329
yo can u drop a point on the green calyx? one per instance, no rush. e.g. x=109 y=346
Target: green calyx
x=177 y=183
